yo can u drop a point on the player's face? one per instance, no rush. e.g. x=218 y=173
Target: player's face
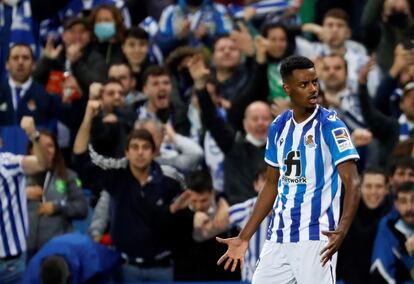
x=201 y=202
x=139 y=154
x=405 y=206
x=374 y=190
x=302 y=88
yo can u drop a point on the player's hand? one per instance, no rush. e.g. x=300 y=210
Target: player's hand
x=335 y=239
x=234 y=254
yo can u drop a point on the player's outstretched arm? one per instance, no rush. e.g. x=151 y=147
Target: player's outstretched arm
x=237 y=246
x=350 y=178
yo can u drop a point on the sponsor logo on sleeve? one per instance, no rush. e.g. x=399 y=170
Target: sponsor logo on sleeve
x=342 y=139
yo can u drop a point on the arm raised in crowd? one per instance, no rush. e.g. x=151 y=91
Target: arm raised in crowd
x=37 y=162
x=221 y=131
x=82 y=138
x=385 y=128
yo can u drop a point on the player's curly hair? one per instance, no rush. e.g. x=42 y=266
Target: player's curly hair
x=292 y=63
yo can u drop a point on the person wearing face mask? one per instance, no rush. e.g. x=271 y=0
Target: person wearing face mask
x=108 y=32
x=20 y=22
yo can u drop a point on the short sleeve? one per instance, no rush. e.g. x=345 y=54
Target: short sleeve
x=11 y=162
x=338 y=139
x=271 y=146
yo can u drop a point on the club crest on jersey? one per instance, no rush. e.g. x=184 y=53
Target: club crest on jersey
x=309 y=142
x=342 y=139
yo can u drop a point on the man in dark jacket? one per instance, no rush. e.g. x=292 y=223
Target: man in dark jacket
x=140 y=199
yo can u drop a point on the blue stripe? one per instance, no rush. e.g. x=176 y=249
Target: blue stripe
x=234 y=211
x=320 y=182
x=11 y=215
x=11 y=166
x=4 y=237
x=19 y=203
x=287 y=148
x=334 y=190
x=295 y=212
x=404 y=129
x=258 y=237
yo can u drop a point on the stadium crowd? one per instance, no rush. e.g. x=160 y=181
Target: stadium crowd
x=150 y=120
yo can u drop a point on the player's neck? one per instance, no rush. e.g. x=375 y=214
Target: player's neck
x=302 y=114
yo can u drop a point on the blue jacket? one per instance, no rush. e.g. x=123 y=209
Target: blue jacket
x=390 y=260
x=86 y=259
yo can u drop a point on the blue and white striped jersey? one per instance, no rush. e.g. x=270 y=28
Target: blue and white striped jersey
x=239 y=214
x=307 y=155
x=13 y=209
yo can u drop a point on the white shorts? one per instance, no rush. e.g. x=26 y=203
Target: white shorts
x=294 y=263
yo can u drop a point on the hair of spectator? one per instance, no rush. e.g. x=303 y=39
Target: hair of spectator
x=290 y=36
x=157 y=124
x=136 y=33
x=21 y=45
x=58 y=162
x=156 y=71
x=375 y=171
x=339 y=56
x=403 y=148
x=141 y=134
x=337 y=13
x=54 y=270
x=218 y=38
x=118 y=18
x=401 y=163
x=200 y=181
x=175 y=57
x=405 y=187
x=113 y=81
x=122 y=64
x=292 y=63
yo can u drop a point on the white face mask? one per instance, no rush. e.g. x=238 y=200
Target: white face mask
x=11 y=2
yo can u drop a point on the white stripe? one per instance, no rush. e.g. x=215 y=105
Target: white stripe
x=350 y=157
x=378 y=264
x=271 y=163
x=326 y=191
x=306 y=208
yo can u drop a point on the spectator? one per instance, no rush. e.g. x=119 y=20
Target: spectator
x=401 y=171
x=13 y=240
x=54 y=198
x=136 y=51
x=158 y=89
x=335 y=37
x=392 y=255
x=21 y=20
x=192 y=22
x=195 y=228
x=239 y=215
x=71 y=258
x=123 y=73
x=140 y=190
x=21 y=95
x=390 y=90
x=75 y=56
x=375 y=203
x=108 y=32
x=114 y=121
x=243 y=154
x=388 y=23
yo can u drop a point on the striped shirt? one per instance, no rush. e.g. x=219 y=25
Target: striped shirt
x=239 y=214
x=13 y=210
x=307 y=155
